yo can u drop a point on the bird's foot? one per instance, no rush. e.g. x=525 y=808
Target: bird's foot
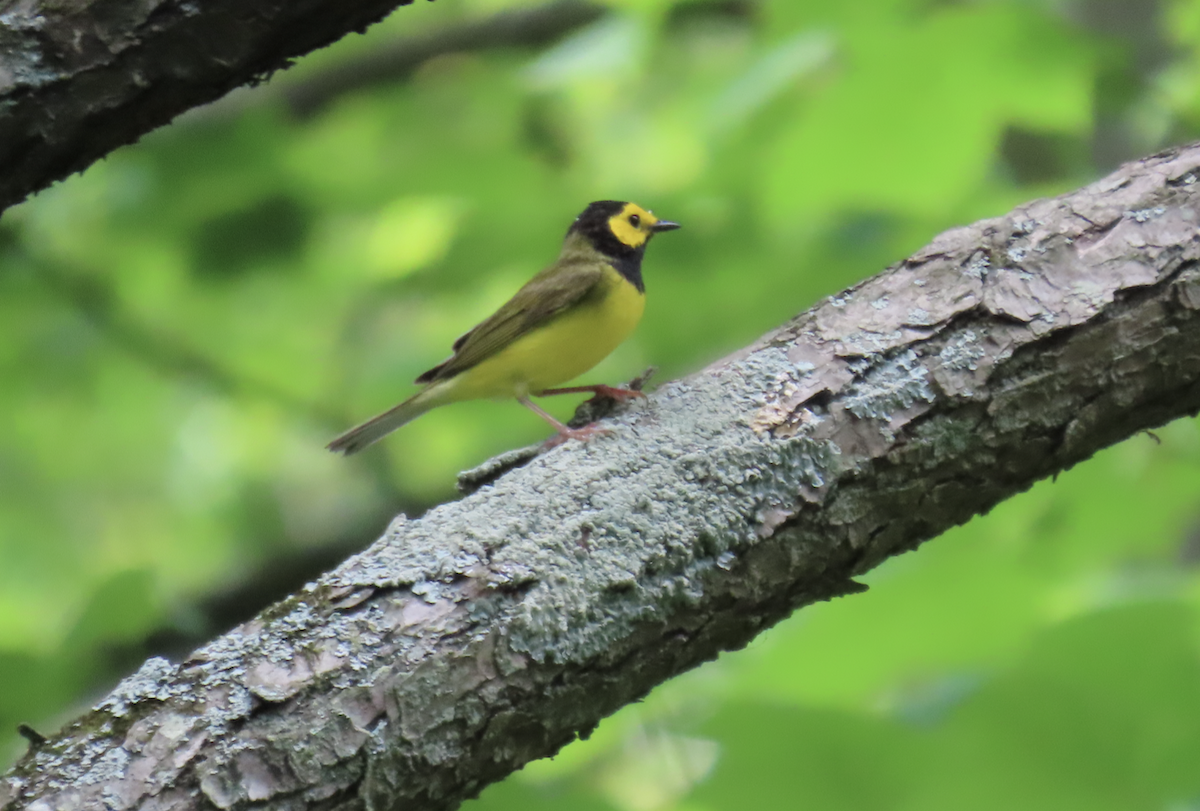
x=582 y=434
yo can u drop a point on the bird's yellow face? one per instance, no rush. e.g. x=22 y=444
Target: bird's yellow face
x=633 y=226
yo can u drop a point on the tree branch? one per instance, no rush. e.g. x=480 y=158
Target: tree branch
x=528 y=27
x=496 y=629
x=78 y=80
x=162 y=351
x=305 y=96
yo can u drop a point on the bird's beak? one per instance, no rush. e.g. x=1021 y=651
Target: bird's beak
x=664 y=225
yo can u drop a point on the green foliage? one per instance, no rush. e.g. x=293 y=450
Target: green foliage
x=185 y=325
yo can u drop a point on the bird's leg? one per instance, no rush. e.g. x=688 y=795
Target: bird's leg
x=564 y=433
x=620 y=395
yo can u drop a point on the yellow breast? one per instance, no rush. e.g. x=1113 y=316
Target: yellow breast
x=563 y=348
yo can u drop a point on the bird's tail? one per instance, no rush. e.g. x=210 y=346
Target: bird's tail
x=374 y=429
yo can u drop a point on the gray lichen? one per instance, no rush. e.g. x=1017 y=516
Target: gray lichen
x=977 y=266
x=963 y=351
x=889 y=387
x=1146 y=214
x=150 y=682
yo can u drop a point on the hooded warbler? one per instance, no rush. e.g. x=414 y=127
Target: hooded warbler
x=563 y=322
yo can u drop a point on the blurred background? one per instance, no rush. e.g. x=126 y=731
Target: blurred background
x=185 y=325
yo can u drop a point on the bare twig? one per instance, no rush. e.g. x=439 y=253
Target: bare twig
x=164 y=352
x=530 y=27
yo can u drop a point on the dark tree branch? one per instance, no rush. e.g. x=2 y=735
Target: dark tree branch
x=78 y=80
x=529 y=27
x=164 y=352
x=496 y=629
x=173 y=357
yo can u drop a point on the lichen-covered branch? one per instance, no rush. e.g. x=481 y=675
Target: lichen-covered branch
x=496 y=629
x=78 y=80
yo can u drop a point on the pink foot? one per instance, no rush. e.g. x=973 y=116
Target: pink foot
x=582 y=434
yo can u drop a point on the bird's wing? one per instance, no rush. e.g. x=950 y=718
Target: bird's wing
x=541 y=299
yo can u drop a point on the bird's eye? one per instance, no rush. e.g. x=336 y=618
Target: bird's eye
x=635 y=220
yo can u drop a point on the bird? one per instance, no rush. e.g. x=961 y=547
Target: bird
x=560 y=324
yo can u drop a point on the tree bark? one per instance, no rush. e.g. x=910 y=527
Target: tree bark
x=498 y=628
x=78 y=80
